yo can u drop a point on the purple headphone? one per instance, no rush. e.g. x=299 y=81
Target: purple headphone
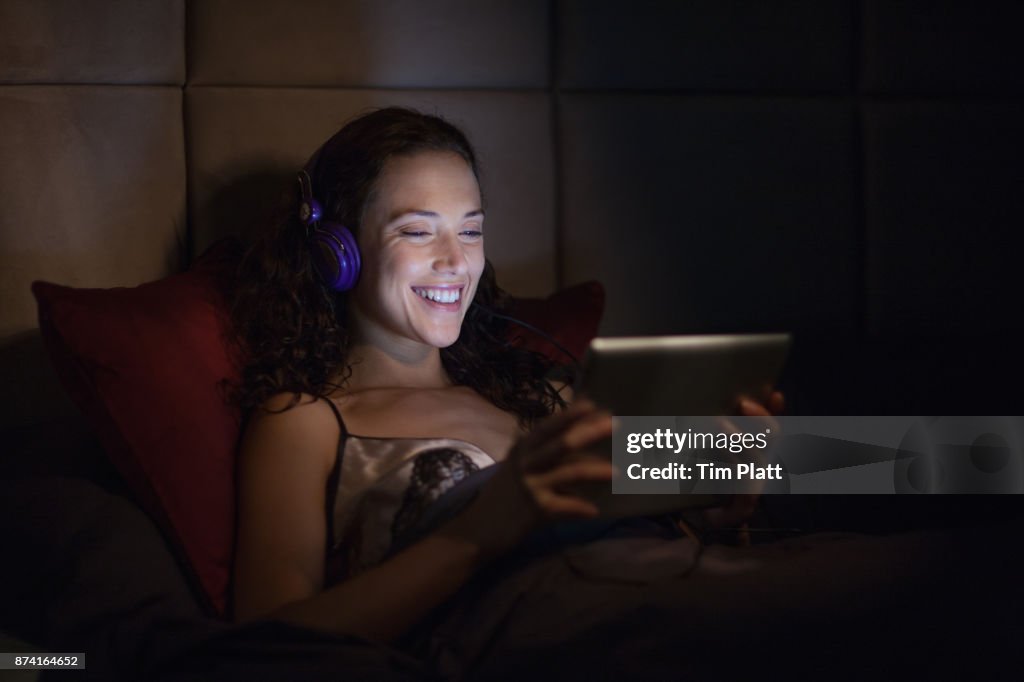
x=332 y=245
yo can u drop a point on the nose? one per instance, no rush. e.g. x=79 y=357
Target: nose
x=449 y=257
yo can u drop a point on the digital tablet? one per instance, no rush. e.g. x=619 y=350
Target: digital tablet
x=701 y=375
x=681 y=375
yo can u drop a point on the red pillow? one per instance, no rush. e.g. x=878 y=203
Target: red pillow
x=570 y=316
x=145 y=366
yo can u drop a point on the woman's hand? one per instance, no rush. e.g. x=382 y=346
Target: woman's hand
x=530 y=488
x=742 y=505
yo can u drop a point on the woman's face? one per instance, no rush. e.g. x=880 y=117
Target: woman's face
x=422 y=248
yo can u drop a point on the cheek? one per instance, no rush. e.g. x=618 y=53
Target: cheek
x=476 y=270
x=395 y=267
x=476 y=263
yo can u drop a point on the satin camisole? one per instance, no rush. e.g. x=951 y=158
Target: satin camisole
x=380 y=487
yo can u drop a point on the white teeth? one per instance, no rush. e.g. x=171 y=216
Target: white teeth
x=439 y=295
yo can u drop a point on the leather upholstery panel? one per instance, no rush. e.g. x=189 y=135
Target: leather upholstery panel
x=93 y=41
x=712 y=214
x=370 y=43
x=710 y=45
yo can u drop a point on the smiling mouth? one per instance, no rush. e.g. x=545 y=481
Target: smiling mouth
x=448 y=298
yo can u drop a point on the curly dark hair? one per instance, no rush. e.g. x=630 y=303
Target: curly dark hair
x=290 y=327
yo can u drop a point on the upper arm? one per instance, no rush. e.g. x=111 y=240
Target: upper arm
x=284 y=462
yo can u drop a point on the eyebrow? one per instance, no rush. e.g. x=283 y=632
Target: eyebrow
x=427 y=214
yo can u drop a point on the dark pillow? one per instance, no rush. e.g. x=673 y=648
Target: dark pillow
x=146 y=366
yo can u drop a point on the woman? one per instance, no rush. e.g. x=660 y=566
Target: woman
x=377 y=382
x=411 y=361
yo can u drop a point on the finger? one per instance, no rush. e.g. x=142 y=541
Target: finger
x=750 y=408
x=593 y=428
x=586 y=431
x=753 y=455
x=777 y=403
x=727 y=425
x=539 y=443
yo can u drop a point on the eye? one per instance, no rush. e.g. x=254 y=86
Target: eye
x=472 y=234
x=414 y=233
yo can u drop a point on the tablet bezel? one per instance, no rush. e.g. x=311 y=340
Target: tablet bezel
x=728 y=366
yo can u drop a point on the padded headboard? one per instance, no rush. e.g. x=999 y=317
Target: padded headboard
x=136 y=134
x=719 y=165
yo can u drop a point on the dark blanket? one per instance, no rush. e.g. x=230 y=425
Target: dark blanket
x=89 y=572
x=942 y=604
x=631 y=599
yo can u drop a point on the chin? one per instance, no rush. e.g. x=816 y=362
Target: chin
x=439 y=338
x=444 y=341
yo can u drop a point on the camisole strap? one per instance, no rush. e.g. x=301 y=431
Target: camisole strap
x=337 y=414
x=332 y=481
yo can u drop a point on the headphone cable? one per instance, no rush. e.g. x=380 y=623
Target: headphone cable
x=535 y=330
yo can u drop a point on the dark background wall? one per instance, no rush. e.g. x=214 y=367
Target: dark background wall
x=850 y=171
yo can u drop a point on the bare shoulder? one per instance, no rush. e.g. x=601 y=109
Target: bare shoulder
x=303 y=427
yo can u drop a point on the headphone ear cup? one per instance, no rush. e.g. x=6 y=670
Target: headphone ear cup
x=336 y=256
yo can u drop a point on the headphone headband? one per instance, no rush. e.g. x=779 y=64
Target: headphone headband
x=310 y=211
